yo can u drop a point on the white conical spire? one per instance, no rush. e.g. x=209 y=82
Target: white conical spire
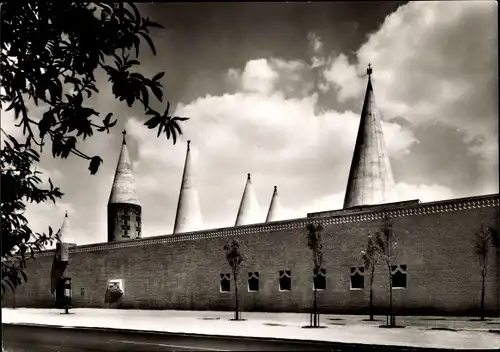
x=274 y=213
x=123 y=189
x=188 y=217
x=370 y=179
x=65 y=235
x=248 y=213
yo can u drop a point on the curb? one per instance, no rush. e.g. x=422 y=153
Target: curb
x=328 y=344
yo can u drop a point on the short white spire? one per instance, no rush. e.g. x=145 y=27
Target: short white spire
x=274 y=213
x=248 y=212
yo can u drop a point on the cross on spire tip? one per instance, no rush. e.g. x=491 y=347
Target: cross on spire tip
x=369 y=70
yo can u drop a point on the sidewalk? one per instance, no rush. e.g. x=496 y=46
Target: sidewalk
x=434 y=332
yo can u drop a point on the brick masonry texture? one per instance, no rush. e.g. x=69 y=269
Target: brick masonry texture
x=435 y=241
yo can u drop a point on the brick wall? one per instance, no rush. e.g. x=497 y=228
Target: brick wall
x=434 y=240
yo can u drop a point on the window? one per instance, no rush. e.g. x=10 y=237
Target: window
x=285 y=280
x=398 y=273
x=125 y=225
x=319 y=281
x=253 y=282
x=115 y=284
x=225 y=282
x=357 y=278
x=138 y=229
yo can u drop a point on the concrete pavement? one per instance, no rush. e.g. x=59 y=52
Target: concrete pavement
x=426 y=332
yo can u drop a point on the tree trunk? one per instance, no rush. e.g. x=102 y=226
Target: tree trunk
x=371 y=296
x=14 y=299
x=315 y=309
x=393 y=321
x=482 y=296
x=236 y=313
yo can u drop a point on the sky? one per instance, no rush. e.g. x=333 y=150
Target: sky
x=276 y=90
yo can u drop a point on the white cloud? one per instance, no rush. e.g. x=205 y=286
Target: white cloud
x=425 y=193
x=278 y=139
x=344 y=77
x=432 y=62
x=258 y=76
x=315 y=42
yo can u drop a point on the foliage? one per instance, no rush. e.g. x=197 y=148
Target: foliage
x=20 y=185
x=51 y=53
x=113 y=294
x=485 y=239
x=315 y=243
x=234 y=256
x=370 y=258
x=384 y=245
x=370 y=255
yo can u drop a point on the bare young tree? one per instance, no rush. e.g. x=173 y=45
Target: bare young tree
x=485 y=239
x=234 y=257
x=383 y=240
x=370 y=257
x=315 y=243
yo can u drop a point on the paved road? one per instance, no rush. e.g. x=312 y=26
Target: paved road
x=18 y=338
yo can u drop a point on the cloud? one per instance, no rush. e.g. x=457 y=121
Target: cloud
x=315 y=42
x=423 y=192
x=258 y=77
x=344 y=78
x=434 y=62
x=434 y=76
x=280 y=140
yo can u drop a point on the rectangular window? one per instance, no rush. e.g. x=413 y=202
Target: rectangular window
x=398 y=273
x=125 y=219
x=358 y=278
x=116 y=284
x=319 y=281
x=225 y=282
x=285 y=277
x=253 y=281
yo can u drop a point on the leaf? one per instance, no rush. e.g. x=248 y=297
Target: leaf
x=95 y=162
x=149 y=41
x=145 y=96
x=158 y=76
x=153 y=122
x=157 y=92
x=107 y=119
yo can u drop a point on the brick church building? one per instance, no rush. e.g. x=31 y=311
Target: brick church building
x=434 y=266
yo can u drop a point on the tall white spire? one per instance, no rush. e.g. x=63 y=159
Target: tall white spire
x=123 y=189
x=274 y=213
x=248 y=212
x=188 y=217
x=370 y=179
